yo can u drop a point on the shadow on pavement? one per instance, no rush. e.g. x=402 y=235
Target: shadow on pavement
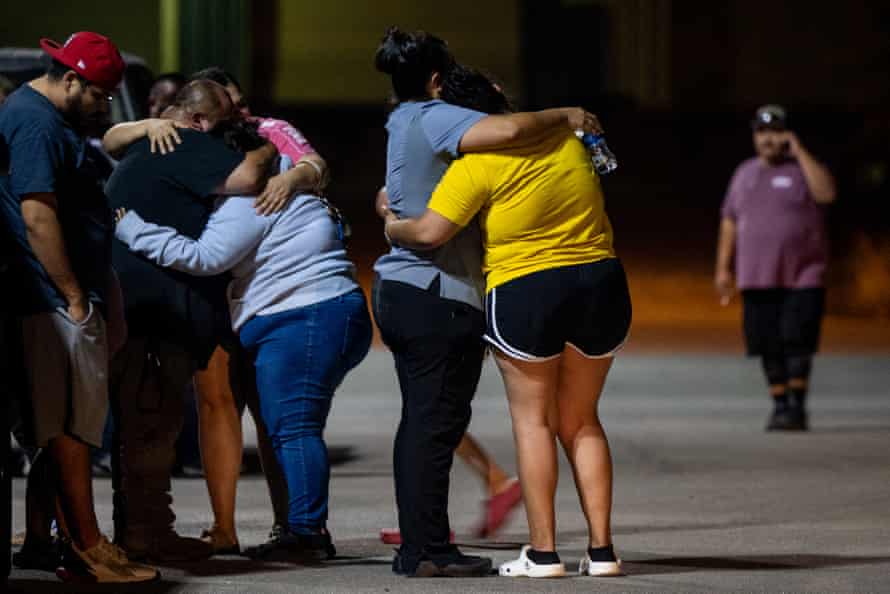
x=223 y=566
x=783 y=562
x=337 y=455
x=850 y=429
x=492 y=546
x=29 y=586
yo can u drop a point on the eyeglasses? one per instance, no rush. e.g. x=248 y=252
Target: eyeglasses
x=98 y=93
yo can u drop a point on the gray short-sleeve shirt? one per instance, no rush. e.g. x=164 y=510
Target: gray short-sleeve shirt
x=423 y=140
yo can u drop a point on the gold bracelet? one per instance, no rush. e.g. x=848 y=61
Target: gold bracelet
x=314 y=166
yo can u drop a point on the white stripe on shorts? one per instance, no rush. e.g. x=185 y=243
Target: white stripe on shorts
x=498 y=341
x=611 y=353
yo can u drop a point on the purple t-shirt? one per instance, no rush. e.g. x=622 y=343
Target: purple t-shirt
x=781 y=240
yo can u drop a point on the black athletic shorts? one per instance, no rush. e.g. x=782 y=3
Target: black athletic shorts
x=783 y=322
x=535 y=316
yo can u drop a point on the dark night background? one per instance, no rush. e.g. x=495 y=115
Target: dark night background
x=674 y=82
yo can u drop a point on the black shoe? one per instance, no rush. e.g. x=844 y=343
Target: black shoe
x=455 y=565
x=787 y=419
x=43 y=557
x=397 y=564
x=255 y=551
x=801 y=418
x=289 y=546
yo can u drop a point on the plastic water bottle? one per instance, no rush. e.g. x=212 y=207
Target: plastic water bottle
x=604 y=160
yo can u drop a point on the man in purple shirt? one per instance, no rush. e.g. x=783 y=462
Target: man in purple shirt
x=773 y=227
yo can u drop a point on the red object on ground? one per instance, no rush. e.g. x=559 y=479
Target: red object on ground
x=499 y=508
x=392 y=536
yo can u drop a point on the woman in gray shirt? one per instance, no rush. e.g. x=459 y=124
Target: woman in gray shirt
x=298 y=310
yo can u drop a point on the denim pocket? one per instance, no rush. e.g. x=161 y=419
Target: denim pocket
x=357 y=330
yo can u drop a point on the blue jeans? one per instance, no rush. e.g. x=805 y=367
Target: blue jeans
x=301 y=356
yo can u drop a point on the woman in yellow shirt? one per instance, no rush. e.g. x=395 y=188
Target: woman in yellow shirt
x=557 y=310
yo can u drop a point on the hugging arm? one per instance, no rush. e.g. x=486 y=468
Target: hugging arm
x=232 y=232
x=426 y=232
x=162 y=135
x=501 y=131
x=309 y=174
x=250 y=176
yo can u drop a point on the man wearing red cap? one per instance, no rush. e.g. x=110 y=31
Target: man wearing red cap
x=61 y=263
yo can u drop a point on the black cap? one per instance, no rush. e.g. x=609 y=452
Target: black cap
x=770 y=116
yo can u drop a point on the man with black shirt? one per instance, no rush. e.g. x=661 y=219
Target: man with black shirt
x=175 y=320
x=61 y=265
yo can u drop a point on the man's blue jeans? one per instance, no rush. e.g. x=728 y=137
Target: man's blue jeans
x=301 y=356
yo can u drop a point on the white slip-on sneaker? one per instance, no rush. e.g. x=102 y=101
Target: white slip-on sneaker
x=525 y=567
x=599 y=568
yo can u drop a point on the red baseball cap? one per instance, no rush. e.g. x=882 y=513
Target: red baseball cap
x=91 y=55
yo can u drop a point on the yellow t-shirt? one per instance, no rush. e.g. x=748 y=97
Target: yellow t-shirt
x=539 y=207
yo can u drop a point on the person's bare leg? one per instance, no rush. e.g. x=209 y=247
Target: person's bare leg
x=219 y=433
x=581 y=382
x=72 y=461
x=531 y=392
x=485 y=467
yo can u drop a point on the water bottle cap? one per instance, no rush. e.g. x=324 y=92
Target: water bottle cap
x=589 y=140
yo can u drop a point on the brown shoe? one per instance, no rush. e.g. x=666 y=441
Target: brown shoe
x=168 y=547
x=103 y=563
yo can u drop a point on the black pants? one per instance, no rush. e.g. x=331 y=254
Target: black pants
x=783 y=322
x=782 y=326
x=438 y=350
x=148 y=381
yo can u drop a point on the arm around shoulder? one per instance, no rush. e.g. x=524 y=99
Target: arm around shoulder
x=502 y=131
x=162 y=134
x=250 y=176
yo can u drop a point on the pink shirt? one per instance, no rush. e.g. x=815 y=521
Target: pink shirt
x=287 y=139
x=781 y=240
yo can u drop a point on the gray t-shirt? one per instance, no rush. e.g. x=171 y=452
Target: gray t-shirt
x=423 y=139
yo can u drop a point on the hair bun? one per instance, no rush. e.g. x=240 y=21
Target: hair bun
x=394 y=49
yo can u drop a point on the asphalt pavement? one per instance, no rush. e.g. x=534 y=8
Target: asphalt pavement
x=705 y=499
